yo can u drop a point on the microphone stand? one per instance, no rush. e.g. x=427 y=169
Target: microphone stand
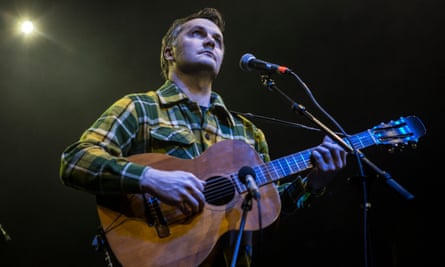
x=270 y=84
x=246 y=206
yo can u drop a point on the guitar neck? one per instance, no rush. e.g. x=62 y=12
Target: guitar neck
x=291 y=164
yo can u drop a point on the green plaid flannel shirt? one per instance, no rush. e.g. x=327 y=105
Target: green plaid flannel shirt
x=161 y=121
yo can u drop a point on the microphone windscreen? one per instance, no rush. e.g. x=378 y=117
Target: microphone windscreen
x=244 y=171
x=244 y=61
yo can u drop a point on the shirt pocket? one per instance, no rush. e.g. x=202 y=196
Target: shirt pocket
x=172 y=140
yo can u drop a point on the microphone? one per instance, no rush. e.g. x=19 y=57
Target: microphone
x=249 y=62
x=247 y=176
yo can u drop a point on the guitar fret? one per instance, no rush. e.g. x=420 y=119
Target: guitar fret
x=260 y=173
x=274 y=169
x=289 y=167
x=269 y=171
x=283 y=167
x=361 y=140
x=294 y=164
x=261 y=179
x=240 y=186
x=305 y=159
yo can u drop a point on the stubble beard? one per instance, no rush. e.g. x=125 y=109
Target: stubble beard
x=198 y=68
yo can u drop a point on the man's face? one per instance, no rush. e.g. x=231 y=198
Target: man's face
x=199 y=47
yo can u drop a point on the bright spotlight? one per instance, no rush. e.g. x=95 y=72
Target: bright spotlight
x=27 y=27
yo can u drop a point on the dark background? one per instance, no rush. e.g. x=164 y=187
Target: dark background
x=366 y=62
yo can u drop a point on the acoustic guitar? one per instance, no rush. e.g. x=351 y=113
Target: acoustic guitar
x=142 y=231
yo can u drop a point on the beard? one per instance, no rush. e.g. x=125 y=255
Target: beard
x=198 y=68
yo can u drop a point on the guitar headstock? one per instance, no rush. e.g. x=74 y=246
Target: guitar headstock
x=399 y=133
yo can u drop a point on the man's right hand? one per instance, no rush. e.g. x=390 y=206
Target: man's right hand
x=177 y=188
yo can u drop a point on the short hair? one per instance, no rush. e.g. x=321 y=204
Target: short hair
x=170 y=36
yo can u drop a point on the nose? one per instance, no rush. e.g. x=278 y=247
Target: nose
x=209 y=42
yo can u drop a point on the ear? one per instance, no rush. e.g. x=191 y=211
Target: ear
x=168 y=54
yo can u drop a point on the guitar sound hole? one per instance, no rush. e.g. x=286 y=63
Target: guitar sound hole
x=219 y=190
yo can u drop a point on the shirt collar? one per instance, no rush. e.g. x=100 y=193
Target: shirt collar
x=169 y=94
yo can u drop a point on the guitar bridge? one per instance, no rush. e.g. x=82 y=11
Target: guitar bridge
x=154 y=216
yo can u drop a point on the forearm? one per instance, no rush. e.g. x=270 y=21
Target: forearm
x=88 y=167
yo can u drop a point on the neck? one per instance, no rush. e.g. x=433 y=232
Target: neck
x=198 y=89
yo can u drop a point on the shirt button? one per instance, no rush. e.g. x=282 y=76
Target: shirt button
x=207 y=136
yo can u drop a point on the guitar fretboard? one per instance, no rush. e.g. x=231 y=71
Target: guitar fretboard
x=277 y=169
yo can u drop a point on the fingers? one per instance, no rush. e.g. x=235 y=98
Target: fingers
x=323 y=159
x=329 y=156
x=194 y=202
x=337 y=154
x=177 y=188
x=185 y=208
x=188 y=205
x=191 y=206
x=192 y=196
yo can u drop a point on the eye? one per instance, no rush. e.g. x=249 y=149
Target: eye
x=198 y=33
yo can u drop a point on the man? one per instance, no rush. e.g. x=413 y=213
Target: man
x=182 y=118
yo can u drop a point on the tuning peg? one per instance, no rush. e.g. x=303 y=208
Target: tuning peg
x=391 y=150
x=396 y=148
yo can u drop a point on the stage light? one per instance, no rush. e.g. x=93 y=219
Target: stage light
x=27 y=27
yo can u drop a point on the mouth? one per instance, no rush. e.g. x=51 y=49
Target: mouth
x=208 y=53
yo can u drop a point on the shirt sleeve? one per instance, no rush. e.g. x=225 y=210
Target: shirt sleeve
x=293 y=194
x=96 y=162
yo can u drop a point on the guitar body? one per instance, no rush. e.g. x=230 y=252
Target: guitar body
x=190 y=240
